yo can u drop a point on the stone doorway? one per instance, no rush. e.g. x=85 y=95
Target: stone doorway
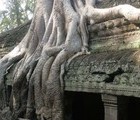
x=83 y=106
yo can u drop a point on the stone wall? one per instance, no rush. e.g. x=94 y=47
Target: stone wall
x=9 y=39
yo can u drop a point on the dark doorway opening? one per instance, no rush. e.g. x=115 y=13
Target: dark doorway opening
x=83 y=106
x=133 y=108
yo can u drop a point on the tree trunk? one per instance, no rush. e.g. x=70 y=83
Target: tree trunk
x=58 y=32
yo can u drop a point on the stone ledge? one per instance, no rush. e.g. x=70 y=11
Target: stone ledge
x=127 y=40
x=104 y=88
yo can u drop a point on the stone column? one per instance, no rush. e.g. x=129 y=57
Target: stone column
x=114 y=107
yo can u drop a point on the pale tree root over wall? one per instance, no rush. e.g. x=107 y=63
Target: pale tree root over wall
x=58 y=32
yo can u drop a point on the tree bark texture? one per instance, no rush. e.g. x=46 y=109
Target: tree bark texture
x=58 y=33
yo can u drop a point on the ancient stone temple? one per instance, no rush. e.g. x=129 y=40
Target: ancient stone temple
x=105 y=84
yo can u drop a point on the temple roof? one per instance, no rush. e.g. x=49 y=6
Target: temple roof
x=115 y=73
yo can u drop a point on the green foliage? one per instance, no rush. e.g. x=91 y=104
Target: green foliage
x=16 y=13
